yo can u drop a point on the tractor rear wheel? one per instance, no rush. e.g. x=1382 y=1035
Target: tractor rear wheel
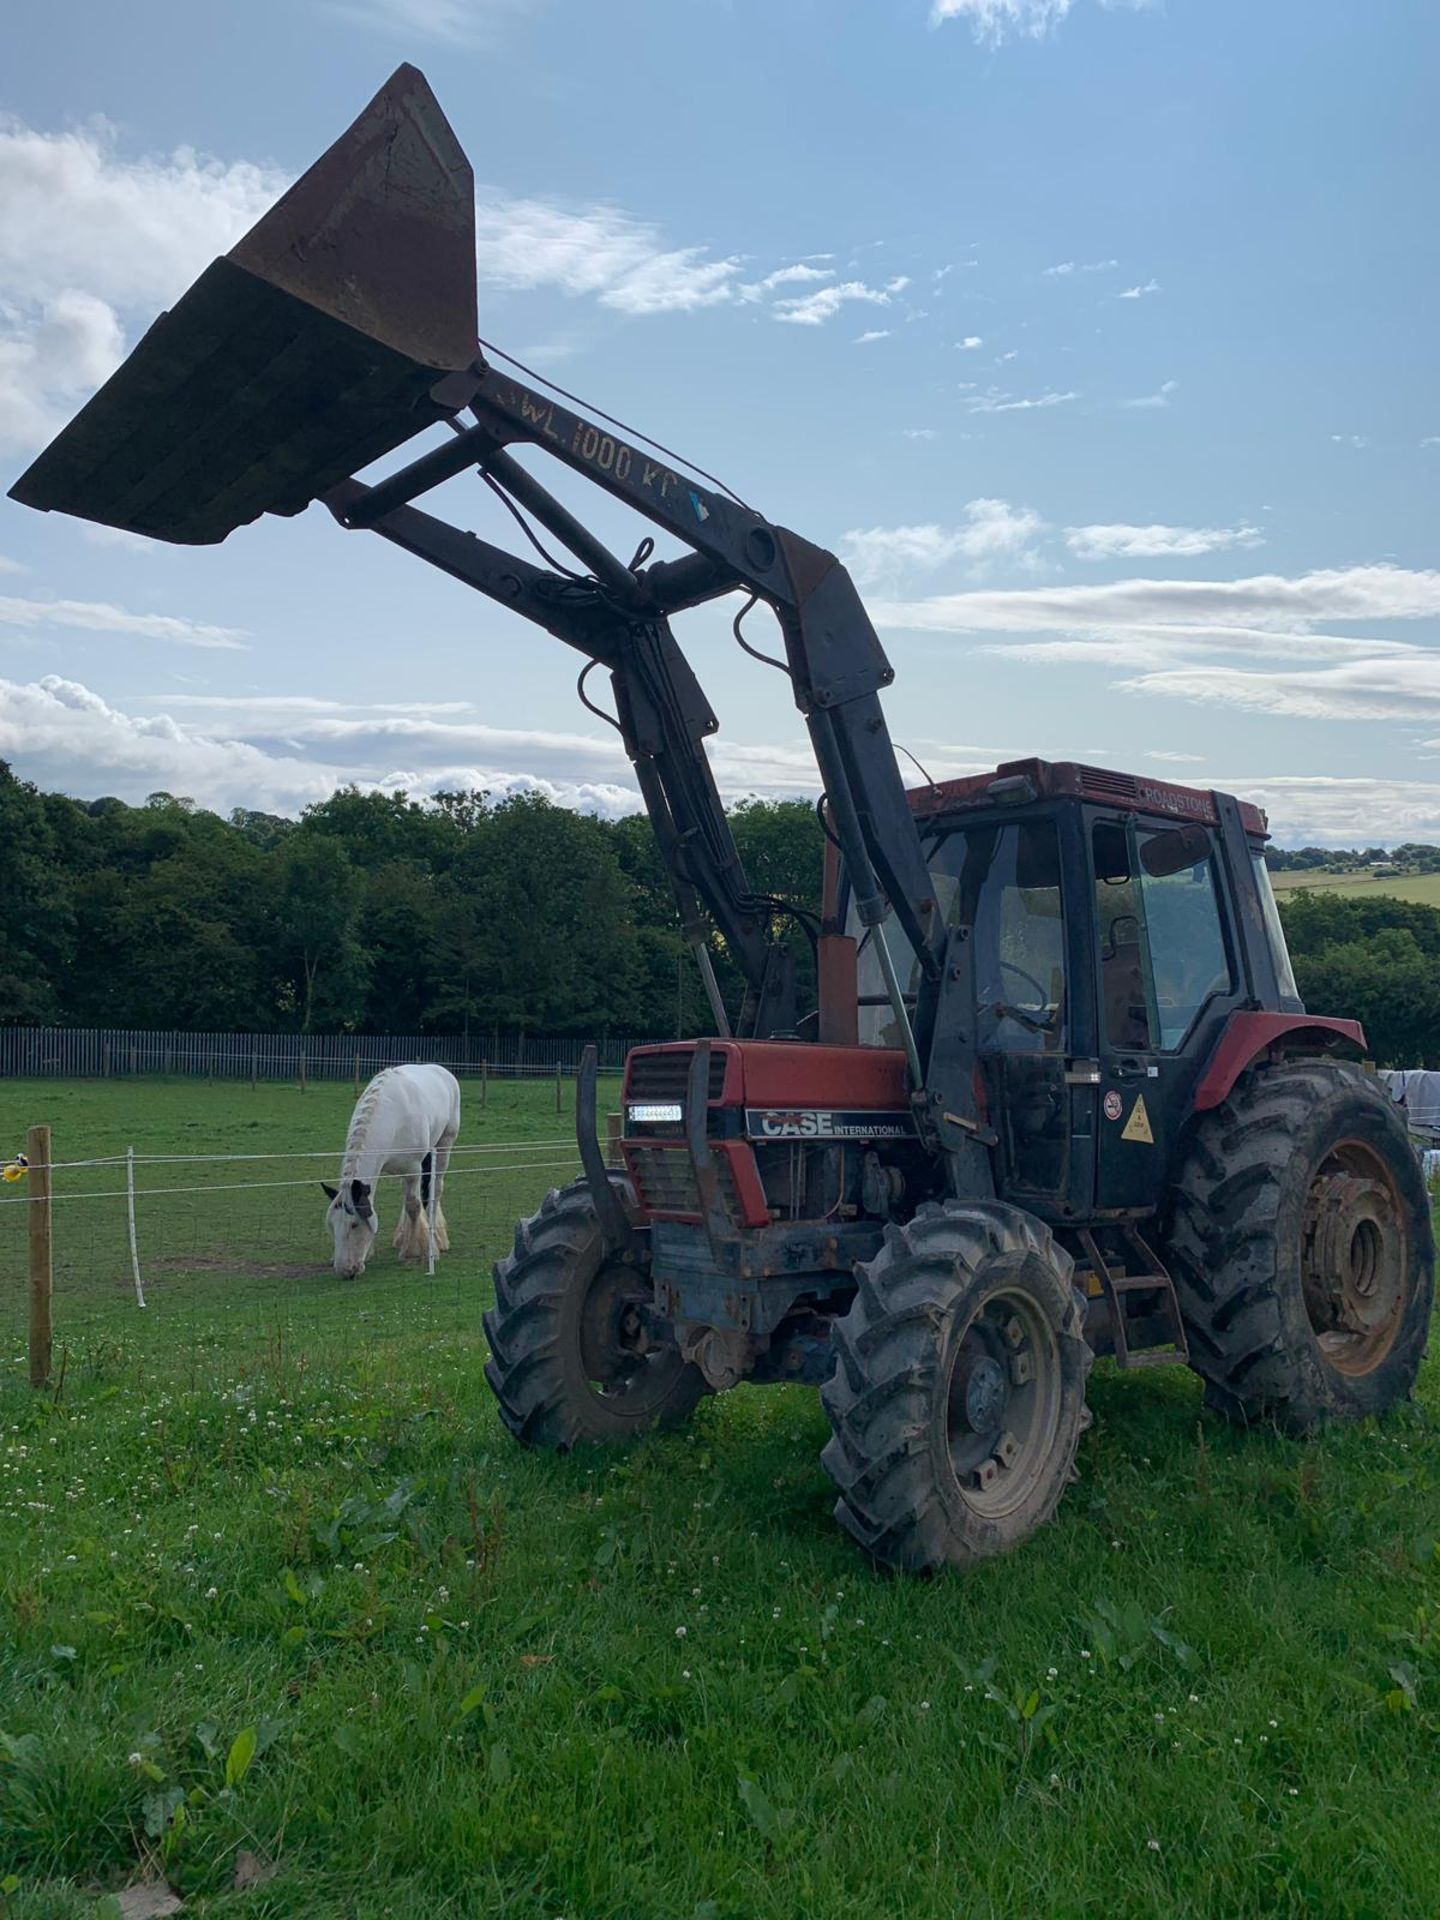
x=570 y=1361
x=1302 y=1250
x=958 y=1395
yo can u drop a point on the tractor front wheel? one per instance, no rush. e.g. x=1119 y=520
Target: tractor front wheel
x=1302 y=1250
x=958 y=1395
x=570 y=1361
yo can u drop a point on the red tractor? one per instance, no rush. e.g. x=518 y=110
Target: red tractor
x=1059 y=1096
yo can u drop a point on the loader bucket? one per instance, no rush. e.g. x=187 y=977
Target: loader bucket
x=314 y=346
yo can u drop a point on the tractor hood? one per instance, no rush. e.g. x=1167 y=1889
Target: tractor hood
x=342 y=324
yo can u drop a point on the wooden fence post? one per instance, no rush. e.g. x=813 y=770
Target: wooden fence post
x=614 y=1128
x=302 y=1069
x=105 y=1070
x=484 y=1081
x=357 y=1076
x=42 y=1272
x=557 y=1086
x=254 y=1067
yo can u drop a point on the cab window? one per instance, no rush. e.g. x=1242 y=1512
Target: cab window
x=1163 y=954
x=1003 y=881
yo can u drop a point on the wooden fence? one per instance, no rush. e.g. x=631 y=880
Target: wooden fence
x=92 y=1053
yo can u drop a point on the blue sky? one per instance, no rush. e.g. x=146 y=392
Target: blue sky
x=1097 y=337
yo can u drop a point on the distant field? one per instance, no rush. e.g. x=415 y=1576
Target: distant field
x=1423 y=888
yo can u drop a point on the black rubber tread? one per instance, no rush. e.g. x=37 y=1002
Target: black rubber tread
x=534 y=1368
x=1233 y=1238
x=898 y=1495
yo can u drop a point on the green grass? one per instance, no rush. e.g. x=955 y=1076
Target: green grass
x=1421 y=888
x=657 y=1685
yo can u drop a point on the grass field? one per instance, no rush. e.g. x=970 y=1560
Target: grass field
x=275 y=1588
x=1422 y=888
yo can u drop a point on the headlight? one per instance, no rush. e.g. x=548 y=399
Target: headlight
x=649 y=1115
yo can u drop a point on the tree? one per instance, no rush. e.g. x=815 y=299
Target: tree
x=36 y=907
x=322 y=968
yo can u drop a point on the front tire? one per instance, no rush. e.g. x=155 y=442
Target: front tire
x=1302 y=1249
x=569 y=1363
x=958 y=1396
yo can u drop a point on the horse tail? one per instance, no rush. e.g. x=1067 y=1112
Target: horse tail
x=425 y=1166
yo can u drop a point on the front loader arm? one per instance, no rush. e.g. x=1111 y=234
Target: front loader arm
x=836 y=663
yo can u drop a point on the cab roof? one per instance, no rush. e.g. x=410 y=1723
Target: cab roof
x=1072 y=780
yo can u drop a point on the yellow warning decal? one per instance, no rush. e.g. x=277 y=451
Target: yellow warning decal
x=1137 y=1127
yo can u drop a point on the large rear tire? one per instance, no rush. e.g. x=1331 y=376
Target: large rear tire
x=569 y=1361
x=1301 y=1246
x=958 y=1395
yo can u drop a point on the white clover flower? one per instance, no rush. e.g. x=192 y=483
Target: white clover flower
x=680 y=1632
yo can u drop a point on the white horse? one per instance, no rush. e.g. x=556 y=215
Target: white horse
x=405 y=1122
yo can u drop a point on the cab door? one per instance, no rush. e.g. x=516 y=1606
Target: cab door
x=1163 y=970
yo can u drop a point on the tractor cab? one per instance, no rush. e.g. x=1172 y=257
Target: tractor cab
x=1116 y=925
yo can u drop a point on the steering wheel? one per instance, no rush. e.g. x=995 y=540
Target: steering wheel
x=1042 y=998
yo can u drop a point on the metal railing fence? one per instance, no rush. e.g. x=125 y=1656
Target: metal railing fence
x=88 y=1053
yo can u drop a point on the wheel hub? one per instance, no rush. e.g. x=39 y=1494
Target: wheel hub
x=985 y=1393
x=1354 y=1261
x=1003 y=1403
x=612 y=1332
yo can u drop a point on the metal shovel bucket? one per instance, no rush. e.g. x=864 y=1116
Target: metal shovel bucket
x=320 y=341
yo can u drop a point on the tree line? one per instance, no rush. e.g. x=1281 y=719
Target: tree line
x=376 y=912
x=373 y=912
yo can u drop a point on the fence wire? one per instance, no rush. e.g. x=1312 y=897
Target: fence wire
x=232 y=1258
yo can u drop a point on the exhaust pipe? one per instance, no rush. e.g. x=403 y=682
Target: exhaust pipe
x=341 y=325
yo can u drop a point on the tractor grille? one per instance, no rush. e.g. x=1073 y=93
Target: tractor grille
x=665 y=1181
x=664 y=1076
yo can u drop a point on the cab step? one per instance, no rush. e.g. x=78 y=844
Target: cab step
x=1142 y=1272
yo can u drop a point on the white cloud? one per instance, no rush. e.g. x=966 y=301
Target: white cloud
x=994 y=401
x=991 y=20
x=51 y=356
x=99 y=616
x=970 y=343
x=596 y=251
x=1067 y=267
x=1323 y=810
x=1269 y=604
x=992 y=530
x=1403 y=686
x=280 y=752
x=814 y=309
x=458 y=23
x=86 y=237
x=1140 y=292
x=1350 y=439
x=920 y=433
x=73 y=214
x=11 y=566
x=1122 y=542
x=798 y=274
x=1189 y=759
x=875 y=333
x=1161 y=398
x=1431 y=440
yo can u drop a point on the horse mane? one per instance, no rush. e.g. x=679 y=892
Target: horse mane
x=360 y=1122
